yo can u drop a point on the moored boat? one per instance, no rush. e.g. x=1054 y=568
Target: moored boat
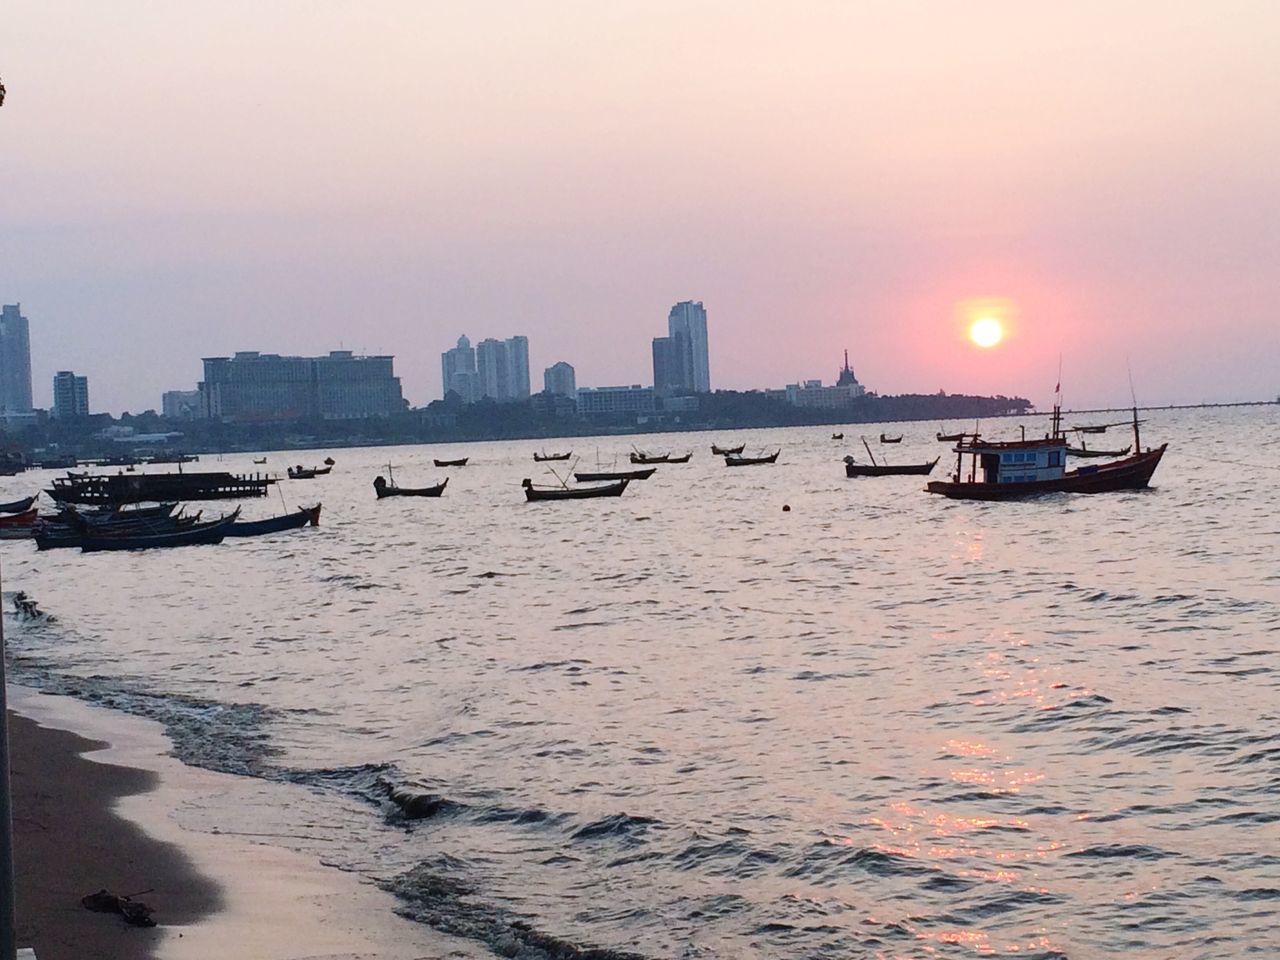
x=547 y=457
x=727 y=451
x=193 y=535
x=289 y=521
x=18 y=506
x=307 y=473
x=837 y=436
x=641 y=457
x=1011 y=470
x=384 y=489
x=460 y=462
x=732 y=460
x=854 y=469
x=116 y=489
x=573 y=493
x=1085 y=453
x=887 y=439
x=949 y=437
x=607 y=475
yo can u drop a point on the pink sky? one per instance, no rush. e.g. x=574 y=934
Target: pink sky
x=190 y=179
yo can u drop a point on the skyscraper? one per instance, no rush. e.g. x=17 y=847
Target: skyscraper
x=70 y=395
x=670 y=366
x=15 y=360
x=518 y=368
x=266 y=386
x=560 y=378
x=689 y=319
x=494 y=369
x=458 y=372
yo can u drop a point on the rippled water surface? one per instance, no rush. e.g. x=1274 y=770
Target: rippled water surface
x=686 y=723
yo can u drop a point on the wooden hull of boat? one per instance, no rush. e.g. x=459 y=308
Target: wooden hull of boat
x=436 y=491
x=551 y=457
x=950 y=437
x=749 y=461
x=727 y=451
x=885 y=470
x=23 y=519
x=640 y=458
x=575 y=493
x=309 y=474
x=1132 y=473
x=290 y=521
x=18 y=506
x=684 y=459
x=452 y=463
x=615 y=475
x=198 y=535
x=1087 y=454
x=884 y=439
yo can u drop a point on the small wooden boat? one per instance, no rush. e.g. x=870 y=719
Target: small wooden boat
x=452 y=463
x=260 y=460
x=289 y=521
x=837 y=436
x=384 y=489
x=732 y=460
x=329 y=461
x=853 y=469
x=18 y=506
x=885 y=439
x=307 y=473
x=572 y=493
x=547 y=457
x=1084 y=452
x=727 y=451
x=193 y=535
x=684 y=459
x=608 y=475
x=640 y=457
x=950 y=437
x=23 y=519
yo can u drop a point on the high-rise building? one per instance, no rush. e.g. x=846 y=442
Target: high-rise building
x=70 y=395
x=494 y=368
x=670 y=365
x=15 y=360
x=458 y=372
x=560 y=379
x=689 y=320
x=180 y=404
x=518 y=368
x=267 y=386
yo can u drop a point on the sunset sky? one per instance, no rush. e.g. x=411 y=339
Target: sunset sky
x=180 y=180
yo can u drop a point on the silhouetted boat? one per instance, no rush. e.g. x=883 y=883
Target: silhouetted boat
x=307 y=473
x=1084 y=452
x=18 y=506
x=615 y=475
x=196 y=534
x=452 y=463
x=837 y=436
x=950 y=437
x=732 y=460
x=384 y=489
x=547 y=457
x=572 y=493
x=1024 y=468
x=727 y=451
x=853 y=469
x=884 y=439
x=260 y=460
x=684 y=459
x=117 y=489
x=329 y=461
x=289 y=521
x=640 y=457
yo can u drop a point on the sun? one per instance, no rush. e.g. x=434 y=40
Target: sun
x=986 y=331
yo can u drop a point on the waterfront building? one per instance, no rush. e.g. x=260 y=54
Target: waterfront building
x=15 y=360
x=670 y=365
x=560 y=378
x=845 y=378
x=180 y=404
x=494 y=369
x=458 y=372
x=609 y=400
x=517 y=368
x=688 y=319
x=70 y=395
x=266 y=386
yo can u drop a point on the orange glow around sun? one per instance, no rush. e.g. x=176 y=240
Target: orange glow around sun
x=986 y=331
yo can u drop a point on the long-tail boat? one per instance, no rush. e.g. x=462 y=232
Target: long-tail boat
x=18 y=506
x=461 y=462
x=640 y=457
x=684 y=459
x=732 y=460
x=289 y=521
x=729 y=451
x=572 y=493
x=308 y=473
x=1010 y=470
x=837 y=436
x=854 y=469
x=1084 y=452
x=547 y=457
x=384 y=489
x=608 y=475
x=887 y=439
x=117 y=489
x=198 y=533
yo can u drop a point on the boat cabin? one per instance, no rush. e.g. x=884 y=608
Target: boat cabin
x=1016 y=461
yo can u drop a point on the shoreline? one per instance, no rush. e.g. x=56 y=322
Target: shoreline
x=97 y=799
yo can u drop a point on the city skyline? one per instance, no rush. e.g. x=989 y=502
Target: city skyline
x=1125 y=210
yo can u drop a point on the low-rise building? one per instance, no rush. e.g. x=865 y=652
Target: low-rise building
x=180 y=404
x=612 y=400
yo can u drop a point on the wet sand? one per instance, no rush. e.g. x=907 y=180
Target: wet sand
x=96 y=803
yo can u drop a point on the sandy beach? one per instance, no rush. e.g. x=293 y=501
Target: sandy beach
x=95 y=803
